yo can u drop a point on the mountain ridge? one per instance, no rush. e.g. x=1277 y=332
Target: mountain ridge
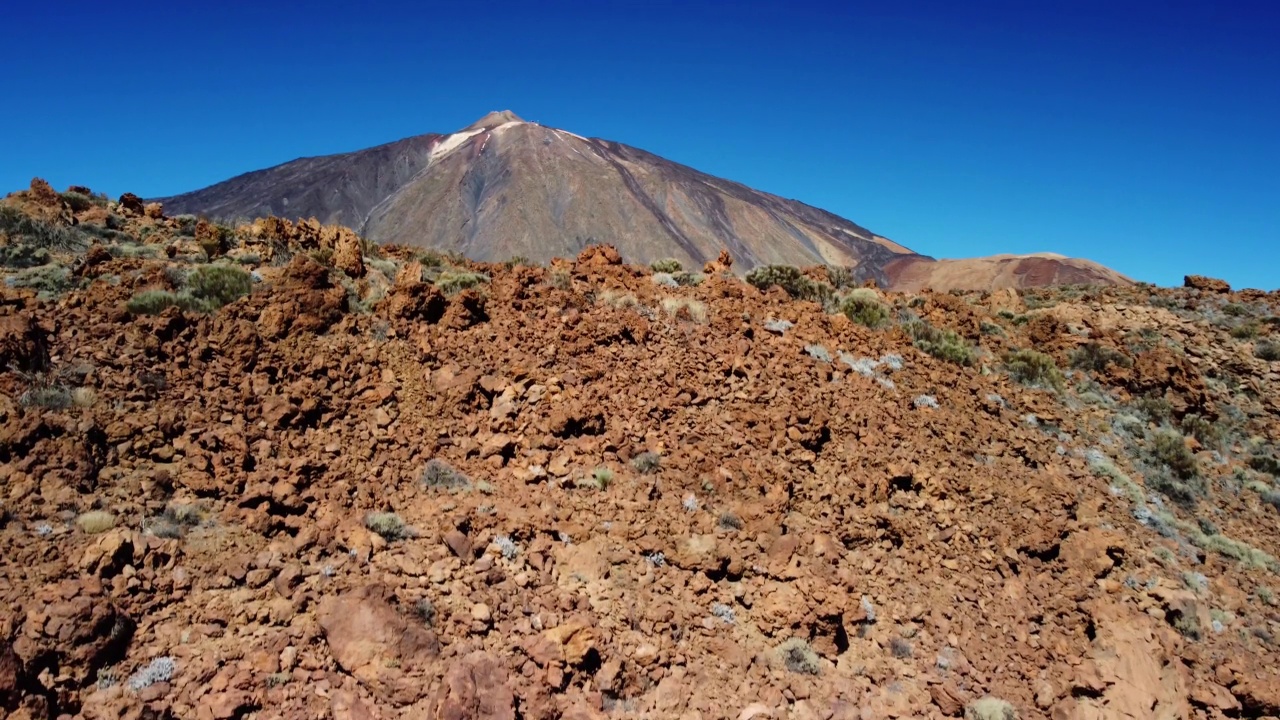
x=503 y=187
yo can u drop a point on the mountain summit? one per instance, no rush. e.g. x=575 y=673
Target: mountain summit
x=494 y=119
x=504 y=187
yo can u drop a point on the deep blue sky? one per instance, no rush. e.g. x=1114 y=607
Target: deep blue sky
x=1144 y=135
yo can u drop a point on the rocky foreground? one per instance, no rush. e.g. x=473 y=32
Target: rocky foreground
x=275 y=472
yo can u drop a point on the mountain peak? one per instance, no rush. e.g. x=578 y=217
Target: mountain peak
x=493 y=119
x=535 y=191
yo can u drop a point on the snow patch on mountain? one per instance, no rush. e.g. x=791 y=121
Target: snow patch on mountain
x=451 y=143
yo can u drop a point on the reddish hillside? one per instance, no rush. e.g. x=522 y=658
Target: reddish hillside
x=314 y=478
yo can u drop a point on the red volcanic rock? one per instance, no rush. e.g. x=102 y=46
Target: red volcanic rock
x=374 y=643
x=548 y=495
x=1207 y=284
x=131 y=204
x=42 y=193
x=24 y=344
x=475 y=687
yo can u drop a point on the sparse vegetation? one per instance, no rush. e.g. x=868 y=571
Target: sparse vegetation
x=863 y=306
x=431 y=258
x=794 y=282
x=1034 y=368
x=440 y=475
x=95 y=522
x=506 y=546
x=134 y=250
x=1196 y=582
x=925 y=402
x=186 y=225
x=426 y=611
x=205 y=289
x=159 y=670
x=685 y=309
x=1187 y=624
x=388 y=268
x=647 y=462
x=724 y=612
x=603 y=477
x=778 y=326
x=799 y=657
x=942 y=344
x=729 y=521
x=45 y=389
x=79 y=202
x=323 y=256
x=1121 y=484
x=1241 y=552
x=560 y=279
x=740 y=410
x=152 y=302
x=839 y=277
x=24 y=256
x=618 y=299
x=1207 y=432
x=175 y=521
x=1170 y=448
x=818 y=352
x=22 y=229
x=1270 y=497
x=452 y=282
x=1097 y=358
x=1267 y=350
x=49 y=281
x=213 y=286
x=388 y=525
x=1265 y=463
x=670 y=266
x=600 y=479
x=1246 y=331
x=1175 y=473
x=990 y=708
x=666 y=280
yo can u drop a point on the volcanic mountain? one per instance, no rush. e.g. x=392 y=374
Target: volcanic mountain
x=503 y=187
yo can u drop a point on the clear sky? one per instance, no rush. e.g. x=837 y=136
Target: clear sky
x=1142 y=134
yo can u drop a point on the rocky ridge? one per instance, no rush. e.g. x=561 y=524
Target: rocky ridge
x=617 y=496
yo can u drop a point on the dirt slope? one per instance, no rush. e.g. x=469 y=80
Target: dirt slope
x=997 y=272
x=619 y=499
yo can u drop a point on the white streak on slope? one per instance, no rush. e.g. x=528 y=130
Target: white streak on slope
x=451 y=143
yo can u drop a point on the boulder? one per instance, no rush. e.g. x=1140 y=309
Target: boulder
x=1207 y=284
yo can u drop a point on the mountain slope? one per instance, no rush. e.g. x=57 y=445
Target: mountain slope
x=503 y=187
x=336 y=189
